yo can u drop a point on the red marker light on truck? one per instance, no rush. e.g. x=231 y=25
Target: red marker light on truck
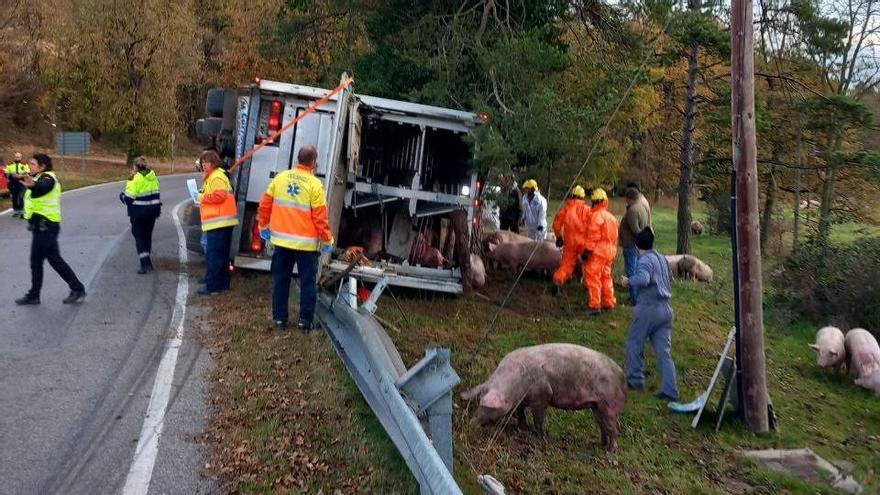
x=275 y=116
x=256 y=240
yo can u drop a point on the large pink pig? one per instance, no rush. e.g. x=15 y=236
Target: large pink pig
x=566 y=376
x=514 y=255
x=863 y=359
x=830 y=348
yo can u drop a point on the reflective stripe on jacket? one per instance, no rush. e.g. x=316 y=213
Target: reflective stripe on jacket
x=217 y=203
x=601 y=238
x=141 y=194
x=294 y=209
x=18 y=168
x=48 y=205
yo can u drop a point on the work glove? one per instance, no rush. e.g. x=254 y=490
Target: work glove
x=327 y=248
x=559 y=242
x=265 y=234
x=585 y=256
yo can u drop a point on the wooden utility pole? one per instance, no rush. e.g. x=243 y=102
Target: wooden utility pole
x=754 y=369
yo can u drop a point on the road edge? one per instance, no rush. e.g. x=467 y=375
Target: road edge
x=137 y=482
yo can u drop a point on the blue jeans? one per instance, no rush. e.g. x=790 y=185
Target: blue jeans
x=631 y=264
x=217 y=259
x=306 y=263
x=651 y=321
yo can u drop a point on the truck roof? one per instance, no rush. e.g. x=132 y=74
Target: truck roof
x=469 y=119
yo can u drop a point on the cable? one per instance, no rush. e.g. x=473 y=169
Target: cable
x=601 y=133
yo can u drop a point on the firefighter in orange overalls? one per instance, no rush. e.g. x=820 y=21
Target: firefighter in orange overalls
x=600 y=249
x=570 y=227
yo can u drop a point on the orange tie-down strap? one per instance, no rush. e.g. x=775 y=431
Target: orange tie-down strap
x=271 y=139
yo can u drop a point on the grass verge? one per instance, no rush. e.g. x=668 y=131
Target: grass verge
x=256 y=434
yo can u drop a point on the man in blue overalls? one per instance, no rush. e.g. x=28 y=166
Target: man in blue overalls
x=652 y=318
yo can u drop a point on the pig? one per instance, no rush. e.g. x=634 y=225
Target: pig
x=477 y=272
x=514 y=255
x=502 y=237
x=863 y=358
x=696 y=228
x=565 y=376
x=829 y=347
x=424 y=254
x=689 y=267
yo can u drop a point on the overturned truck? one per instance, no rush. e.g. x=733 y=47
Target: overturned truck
x=399 y=177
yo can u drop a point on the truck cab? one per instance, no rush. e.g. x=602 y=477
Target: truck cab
x=399 y=177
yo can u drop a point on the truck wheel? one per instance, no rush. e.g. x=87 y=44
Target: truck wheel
x=208 y=127
x=215 y=101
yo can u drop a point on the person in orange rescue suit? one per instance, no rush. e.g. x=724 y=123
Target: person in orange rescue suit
x=570 y=227
x=219 y=216
x=600 y=249
x=293 y=217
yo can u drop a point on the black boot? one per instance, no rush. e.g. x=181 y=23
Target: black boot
x=304 y=326
x=28 y=300
x=75 y=297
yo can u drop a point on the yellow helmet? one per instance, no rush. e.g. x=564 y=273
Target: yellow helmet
x=578 y=192
x=530 y=184
x=598 y=195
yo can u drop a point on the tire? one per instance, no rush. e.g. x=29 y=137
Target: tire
x=215 y=102
x=208 y=127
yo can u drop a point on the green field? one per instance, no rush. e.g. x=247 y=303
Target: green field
x=659 y=452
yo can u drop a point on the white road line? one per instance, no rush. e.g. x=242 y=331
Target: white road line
x=138 y=480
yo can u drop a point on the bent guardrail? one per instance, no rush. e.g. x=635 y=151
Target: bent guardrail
x=398 y=397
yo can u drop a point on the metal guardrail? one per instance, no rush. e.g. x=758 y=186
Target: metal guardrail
x=399 y=398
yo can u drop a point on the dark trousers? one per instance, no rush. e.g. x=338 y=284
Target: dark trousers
x=511 y=224
x=306 y=263
x=631 y=264
x=16 y=191
x=142 y=230
x=45 y=248
x=217 y=259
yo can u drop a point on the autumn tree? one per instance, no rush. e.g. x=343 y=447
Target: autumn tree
x=117 y=67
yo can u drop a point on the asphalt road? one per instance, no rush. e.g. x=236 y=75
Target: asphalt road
x=75 y=381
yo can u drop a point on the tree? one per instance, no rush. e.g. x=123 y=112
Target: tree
x=118 y=68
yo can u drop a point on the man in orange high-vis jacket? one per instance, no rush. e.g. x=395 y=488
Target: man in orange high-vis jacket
x=293 y=217
x=600 y=249
x=570 y=227
x=219 y=216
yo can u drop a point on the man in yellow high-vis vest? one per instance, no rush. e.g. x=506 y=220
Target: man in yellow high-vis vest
x=219 y=215
x=141 y=196
x=15 y=171
x=42 y=210
x=293 y=216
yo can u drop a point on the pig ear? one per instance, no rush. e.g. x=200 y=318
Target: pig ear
x=814 y=347
x=493 y=400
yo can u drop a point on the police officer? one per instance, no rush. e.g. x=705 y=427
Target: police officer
x=42 y=210
x=141 y=196
x=219 y=216
x=14 y=172
x=293 y=216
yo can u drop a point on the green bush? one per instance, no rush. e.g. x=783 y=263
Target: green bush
x=838 y=285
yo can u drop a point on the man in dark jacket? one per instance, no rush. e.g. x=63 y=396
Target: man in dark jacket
x=141 y=196
x=512 y=211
